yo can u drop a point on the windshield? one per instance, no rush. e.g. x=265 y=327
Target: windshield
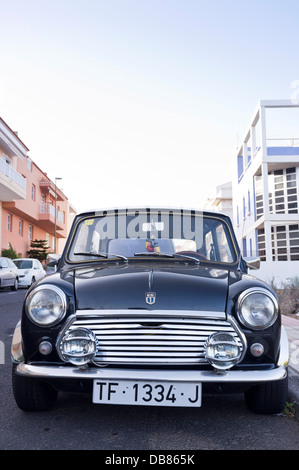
x=133 y=234
x=23 y=264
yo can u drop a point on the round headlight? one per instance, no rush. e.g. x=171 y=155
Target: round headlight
x=46 y=305
x=257 y=308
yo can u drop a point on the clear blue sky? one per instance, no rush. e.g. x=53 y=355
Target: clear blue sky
x=141 y=102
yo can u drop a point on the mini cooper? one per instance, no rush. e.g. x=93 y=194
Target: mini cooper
x=151 y=307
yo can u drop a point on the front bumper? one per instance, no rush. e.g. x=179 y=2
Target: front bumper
x=185 y=376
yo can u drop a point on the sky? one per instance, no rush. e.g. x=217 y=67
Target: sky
x=138 y=102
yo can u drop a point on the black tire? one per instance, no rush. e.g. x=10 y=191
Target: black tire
x=268 y=397
x=16 y=284
x=32 y=394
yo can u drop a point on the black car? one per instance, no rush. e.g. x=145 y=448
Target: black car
x=151 y=307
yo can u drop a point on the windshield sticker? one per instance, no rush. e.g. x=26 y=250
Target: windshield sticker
x=89 y=222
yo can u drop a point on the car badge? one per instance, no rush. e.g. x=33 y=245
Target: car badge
x=150 y=298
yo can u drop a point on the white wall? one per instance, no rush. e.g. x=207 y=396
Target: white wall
x=278 y=272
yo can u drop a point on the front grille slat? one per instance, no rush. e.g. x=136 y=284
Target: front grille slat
x=128 y=339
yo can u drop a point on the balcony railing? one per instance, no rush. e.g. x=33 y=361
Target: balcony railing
x=12 y=174
x=49 y=209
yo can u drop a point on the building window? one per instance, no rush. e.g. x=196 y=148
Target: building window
x=259 y=199
x=285 y=242
x=30 y=232
x=244 y=247
x=283 y=198
x=249 y=204
x=21 y=227
x=43 y=204
x=261 y=244
x=292 y=196
x=9 y=222
x=33 y=192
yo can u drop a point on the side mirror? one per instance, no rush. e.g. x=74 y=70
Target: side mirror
x=53 y=262
x=252 y=262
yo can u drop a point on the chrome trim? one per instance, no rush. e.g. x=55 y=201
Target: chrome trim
x=153 y=313
x=152 y=337
x=17 y=354
x=252 y=262
x=186 y=376
x=241 y=335
x=256 y=290
x=68 y=323
x=284 y=353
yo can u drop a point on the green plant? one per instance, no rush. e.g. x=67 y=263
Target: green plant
x=289 y=410
x=288 y=295
x=10 y=252
x=38 y=250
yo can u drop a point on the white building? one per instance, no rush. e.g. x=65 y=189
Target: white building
x=222 y=201
x=265 y=190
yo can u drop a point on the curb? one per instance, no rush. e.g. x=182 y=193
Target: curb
x=293 y=393
x=292 y=328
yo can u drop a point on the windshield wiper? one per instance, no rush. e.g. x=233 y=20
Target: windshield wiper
x=100 y=255
x=153 y=253
x=167 y=255
x=191 y=258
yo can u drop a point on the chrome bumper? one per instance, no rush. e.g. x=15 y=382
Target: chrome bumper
x=185 y=376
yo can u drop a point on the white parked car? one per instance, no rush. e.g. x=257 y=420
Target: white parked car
x=9 y=275
x=30 y=270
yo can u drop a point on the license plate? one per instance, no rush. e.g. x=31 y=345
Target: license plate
x=128 y=392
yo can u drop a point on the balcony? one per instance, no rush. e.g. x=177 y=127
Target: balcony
x=12 y=184
x=47 y=218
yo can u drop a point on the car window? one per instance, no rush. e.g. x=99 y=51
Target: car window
x=4 y=263
x=23 y=264
x=217 y=244
x=130 y=233
x=128 y=247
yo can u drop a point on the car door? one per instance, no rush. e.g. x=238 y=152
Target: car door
x=38 y=270
x=5 y=273
x=13 y=271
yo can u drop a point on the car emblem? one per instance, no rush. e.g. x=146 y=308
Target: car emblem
x=150 y=298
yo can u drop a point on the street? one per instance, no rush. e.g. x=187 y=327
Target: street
x=222 y=423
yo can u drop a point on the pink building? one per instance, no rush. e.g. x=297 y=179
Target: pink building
x=27 y=199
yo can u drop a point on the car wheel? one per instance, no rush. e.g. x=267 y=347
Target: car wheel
x=16 y=284
x=31 y=394
x=33 y=280
x=268 y=397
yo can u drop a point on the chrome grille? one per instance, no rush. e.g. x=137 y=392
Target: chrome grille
x=152 y=338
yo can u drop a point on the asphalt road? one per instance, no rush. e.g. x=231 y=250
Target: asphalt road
x=222 y=423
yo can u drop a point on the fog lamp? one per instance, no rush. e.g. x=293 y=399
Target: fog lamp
x=78 y=346
x=222 y=350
